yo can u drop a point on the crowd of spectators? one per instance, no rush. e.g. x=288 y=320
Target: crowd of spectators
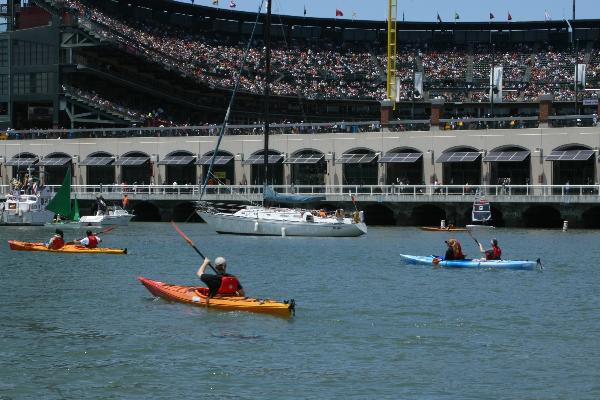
x=327 y=70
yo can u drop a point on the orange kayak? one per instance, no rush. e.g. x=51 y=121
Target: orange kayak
x=67 y=248
x=196 y=295
x=438 y=229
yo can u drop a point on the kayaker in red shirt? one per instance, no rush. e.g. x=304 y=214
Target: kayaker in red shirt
x=57 y=241
x=90 y=240
x=495 y=253
x=222 y=283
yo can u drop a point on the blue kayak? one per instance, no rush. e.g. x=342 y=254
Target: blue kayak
x=470 y=263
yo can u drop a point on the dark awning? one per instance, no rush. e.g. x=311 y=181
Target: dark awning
x=259 y=159
x=304 y=159
x=506 y=156
x=15 y=162
x=356 y=158
x=219 y=160
x=570 y=155
x=177 y=160
x=459 y=156
x=400 y=157
x=91 y=161
x=58 y=161
x=132 y=160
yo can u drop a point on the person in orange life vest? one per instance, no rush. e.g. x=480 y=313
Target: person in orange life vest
x=90 y=240
x=57 y=241
x=125 y=202
x=454 y=250
x=222 y=283
x=495 y=253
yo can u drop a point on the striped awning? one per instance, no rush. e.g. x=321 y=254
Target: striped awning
x=400 y=157
x=459 y=156
x=259 y=159
x=58 y=161
x=304 y=159
x=506 y=156
x=177 y=160
x=15 y=162
x=219 y=160
x=570 y=155
x=356 y=158
x=91 y=161
x=132 y=160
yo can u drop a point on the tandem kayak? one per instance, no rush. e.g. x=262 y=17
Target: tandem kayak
x=67 y=248
x=440 y=229
x=196 y=295
x=470 y=263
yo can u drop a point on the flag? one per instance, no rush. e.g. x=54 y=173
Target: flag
x=547 y=16
x=232 y=4
x=338 y=13
x=456 y=16
x=492 y=16
x=509 y=16
x=439 y=18
x=304 y=10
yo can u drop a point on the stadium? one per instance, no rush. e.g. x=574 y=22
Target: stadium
x=471 y=103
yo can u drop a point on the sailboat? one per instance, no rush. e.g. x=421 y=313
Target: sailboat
x=481 y=214
x=270 y=221
x=67 y=214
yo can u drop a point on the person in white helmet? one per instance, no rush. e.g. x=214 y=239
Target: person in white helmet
x=222 y=283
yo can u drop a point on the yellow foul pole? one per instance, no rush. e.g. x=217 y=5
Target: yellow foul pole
x=391 y=51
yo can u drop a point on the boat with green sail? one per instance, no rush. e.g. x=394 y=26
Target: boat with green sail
x=66 y=212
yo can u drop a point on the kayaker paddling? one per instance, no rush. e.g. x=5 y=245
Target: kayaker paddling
x=91 y=240
x=223 y=283
x=495 y=253
x=57 y=241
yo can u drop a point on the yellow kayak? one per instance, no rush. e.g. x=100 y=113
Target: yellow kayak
x=67 y=248
x=196 y=295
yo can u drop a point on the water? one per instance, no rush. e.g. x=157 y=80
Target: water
x=81 y=326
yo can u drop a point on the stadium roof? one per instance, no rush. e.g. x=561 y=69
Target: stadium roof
x=170 y=7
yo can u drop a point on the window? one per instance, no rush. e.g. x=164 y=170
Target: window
x=3 y=53
x=3 y=85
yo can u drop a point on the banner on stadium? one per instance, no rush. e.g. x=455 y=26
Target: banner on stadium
x=496 y=83
x=580 y=74
x=418 y=89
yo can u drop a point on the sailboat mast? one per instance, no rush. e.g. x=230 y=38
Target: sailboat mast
x=266 y=94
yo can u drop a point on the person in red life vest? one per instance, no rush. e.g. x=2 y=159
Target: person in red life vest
x=495 y=253
x=90 y=240
x=222 y=283
x=57 y=241
x=454 y=250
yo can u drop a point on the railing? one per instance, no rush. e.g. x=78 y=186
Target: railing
x=389 y=192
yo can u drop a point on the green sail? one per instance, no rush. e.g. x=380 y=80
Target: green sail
x=74 y=216
x=61 y=202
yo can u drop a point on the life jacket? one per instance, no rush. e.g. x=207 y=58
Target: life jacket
x=56 y=243
x=494 y=254
x=229 y=285
x=93 y=242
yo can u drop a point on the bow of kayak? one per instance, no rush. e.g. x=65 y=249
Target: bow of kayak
x=197 y=296
x=67 y=248
x=470 y=263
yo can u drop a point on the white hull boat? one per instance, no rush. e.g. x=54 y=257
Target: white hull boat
x=24 y=210
x=261 y=221
x=114 y=216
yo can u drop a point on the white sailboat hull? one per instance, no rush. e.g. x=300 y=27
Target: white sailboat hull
x=114 y=216
x=244 y=225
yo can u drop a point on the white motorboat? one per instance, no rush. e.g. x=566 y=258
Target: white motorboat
x=481 y=214
x=114 y=215
x=25 y=210
x=263 y=221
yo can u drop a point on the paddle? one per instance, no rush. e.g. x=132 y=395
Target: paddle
x=470 y=234
x=189 y=241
